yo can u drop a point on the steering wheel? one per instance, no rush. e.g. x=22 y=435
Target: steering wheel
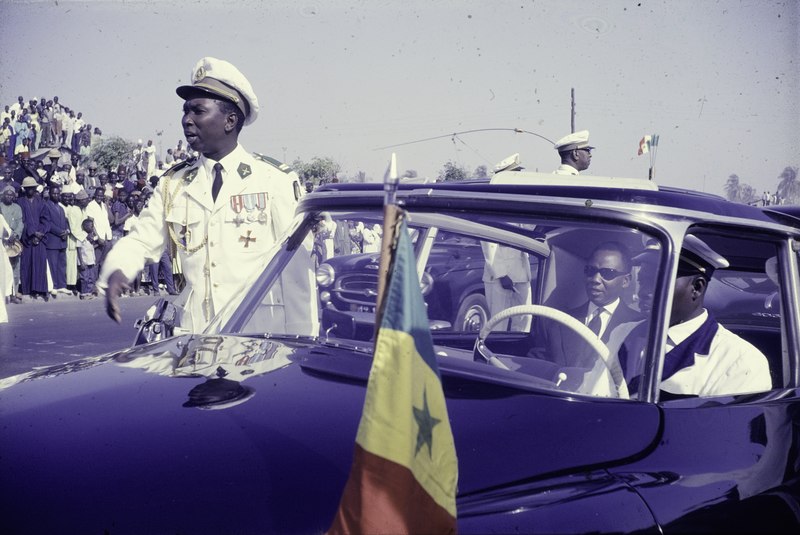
x=616 y=378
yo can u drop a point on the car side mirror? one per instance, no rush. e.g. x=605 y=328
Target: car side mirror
x=158 y=322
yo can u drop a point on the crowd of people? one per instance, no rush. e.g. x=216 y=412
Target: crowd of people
x=60 y=212
x=27 y=127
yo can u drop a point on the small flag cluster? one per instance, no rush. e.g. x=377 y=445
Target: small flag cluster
x=649 y=144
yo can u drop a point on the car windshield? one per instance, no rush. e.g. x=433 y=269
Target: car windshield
x=476 y=271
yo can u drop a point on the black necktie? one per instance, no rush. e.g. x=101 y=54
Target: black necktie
x=596 y=322
x=217 y=181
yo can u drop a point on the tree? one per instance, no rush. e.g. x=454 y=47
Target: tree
x=788 y=189
x=748 y=194
x=452 y=172
x=733 y=188
x=481 y=172
x=112 y=152
x=317 y=169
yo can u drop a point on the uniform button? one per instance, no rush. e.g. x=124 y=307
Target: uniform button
x=211 y=244
x=216 y=285
x=213 y=264
x=213 y=223
x=184 y=221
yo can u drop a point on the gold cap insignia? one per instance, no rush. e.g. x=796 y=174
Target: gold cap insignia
x=199 y=74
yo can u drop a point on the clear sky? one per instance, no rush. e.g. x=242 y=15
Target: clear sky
x=719 y=81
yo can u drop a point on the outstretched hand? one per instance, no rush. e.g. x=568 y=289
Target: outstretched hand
x=117 y=283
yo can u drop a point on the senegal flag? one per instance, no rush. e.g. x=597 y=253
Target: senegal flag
x=403 y=478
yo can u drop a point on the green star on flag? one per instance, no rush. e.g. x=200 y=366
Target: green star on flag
x=426 y=423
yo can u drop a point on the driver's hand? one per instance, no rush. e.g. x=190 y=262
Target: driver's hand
x=117 y=283
x=506 y=283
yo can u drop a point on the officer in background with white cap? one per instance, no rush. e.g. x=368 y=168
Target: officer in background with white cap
x=575 y=152
x=222 y=212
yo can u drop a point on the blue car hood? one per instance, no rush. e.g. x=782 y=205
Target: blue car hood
x=234 y=434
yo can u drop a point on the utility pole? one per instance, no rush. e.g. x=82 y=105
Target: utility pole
x=572 y=123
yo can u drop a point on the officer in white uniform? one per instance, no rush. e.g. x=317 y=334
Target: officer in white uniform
x=507 y=271
x=222 y=212
x=575 y=153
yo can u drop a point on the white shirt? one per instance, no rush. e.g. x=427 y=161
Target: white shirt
x=100 y=215
x=605 y=316
x=732 y=366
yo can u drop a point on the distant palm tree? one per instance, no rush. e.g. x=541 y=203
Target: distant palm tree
x=789 y=188
x=733 y=188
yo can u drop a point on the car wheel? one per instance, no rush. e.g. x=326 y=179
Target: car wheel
x=472 y=313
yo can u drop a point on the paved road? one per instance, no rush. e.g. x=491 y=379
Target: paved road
x=64 y=329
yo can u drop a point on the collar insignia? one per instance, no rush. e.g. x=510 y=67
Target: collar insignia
x=244 y=170
x=188 y=177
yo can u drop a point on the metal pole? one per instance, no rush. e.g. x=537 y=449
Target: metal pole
x=572 y=122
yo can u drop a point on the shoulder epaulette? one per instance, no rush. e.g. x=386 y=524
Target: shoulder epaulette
x=188 y=177
x=175 y=168
x=277 y=164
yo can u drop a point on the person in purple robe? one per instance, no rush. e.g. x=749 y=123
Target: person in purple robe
x=55 y=241
x=33 y=264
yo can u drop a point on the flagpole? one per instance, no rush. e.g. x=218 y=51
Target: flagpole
x=653 y=154
x=391 y=217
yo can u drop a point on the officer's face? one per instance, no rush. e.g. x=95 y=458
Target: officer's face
x=204 y=125
x=600 y=290
x=583 y=157
x=686 y=299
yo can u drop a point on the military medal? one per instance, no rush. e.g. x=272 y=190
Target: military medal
x=249 y=205
x=237 y=203
x=247 y=239
x=261 y=204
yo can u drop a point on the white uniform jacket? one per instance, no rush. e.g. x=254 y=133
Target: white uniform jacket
x=565 y=169
x=220 y=244
x=728 y=365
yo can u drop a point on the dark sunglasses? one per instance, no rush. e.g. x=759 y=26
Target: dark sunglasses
x=606 y=273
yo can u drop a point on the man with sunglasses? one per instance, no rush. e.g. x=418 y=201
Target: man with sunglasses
x=575 y=153
x=606 y=276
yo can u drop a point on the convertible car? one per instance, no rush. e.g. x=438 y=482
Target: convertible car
x=249 y=427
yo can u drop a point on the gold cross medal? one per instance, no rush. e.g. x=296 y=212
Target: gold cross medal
x=247 y=239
